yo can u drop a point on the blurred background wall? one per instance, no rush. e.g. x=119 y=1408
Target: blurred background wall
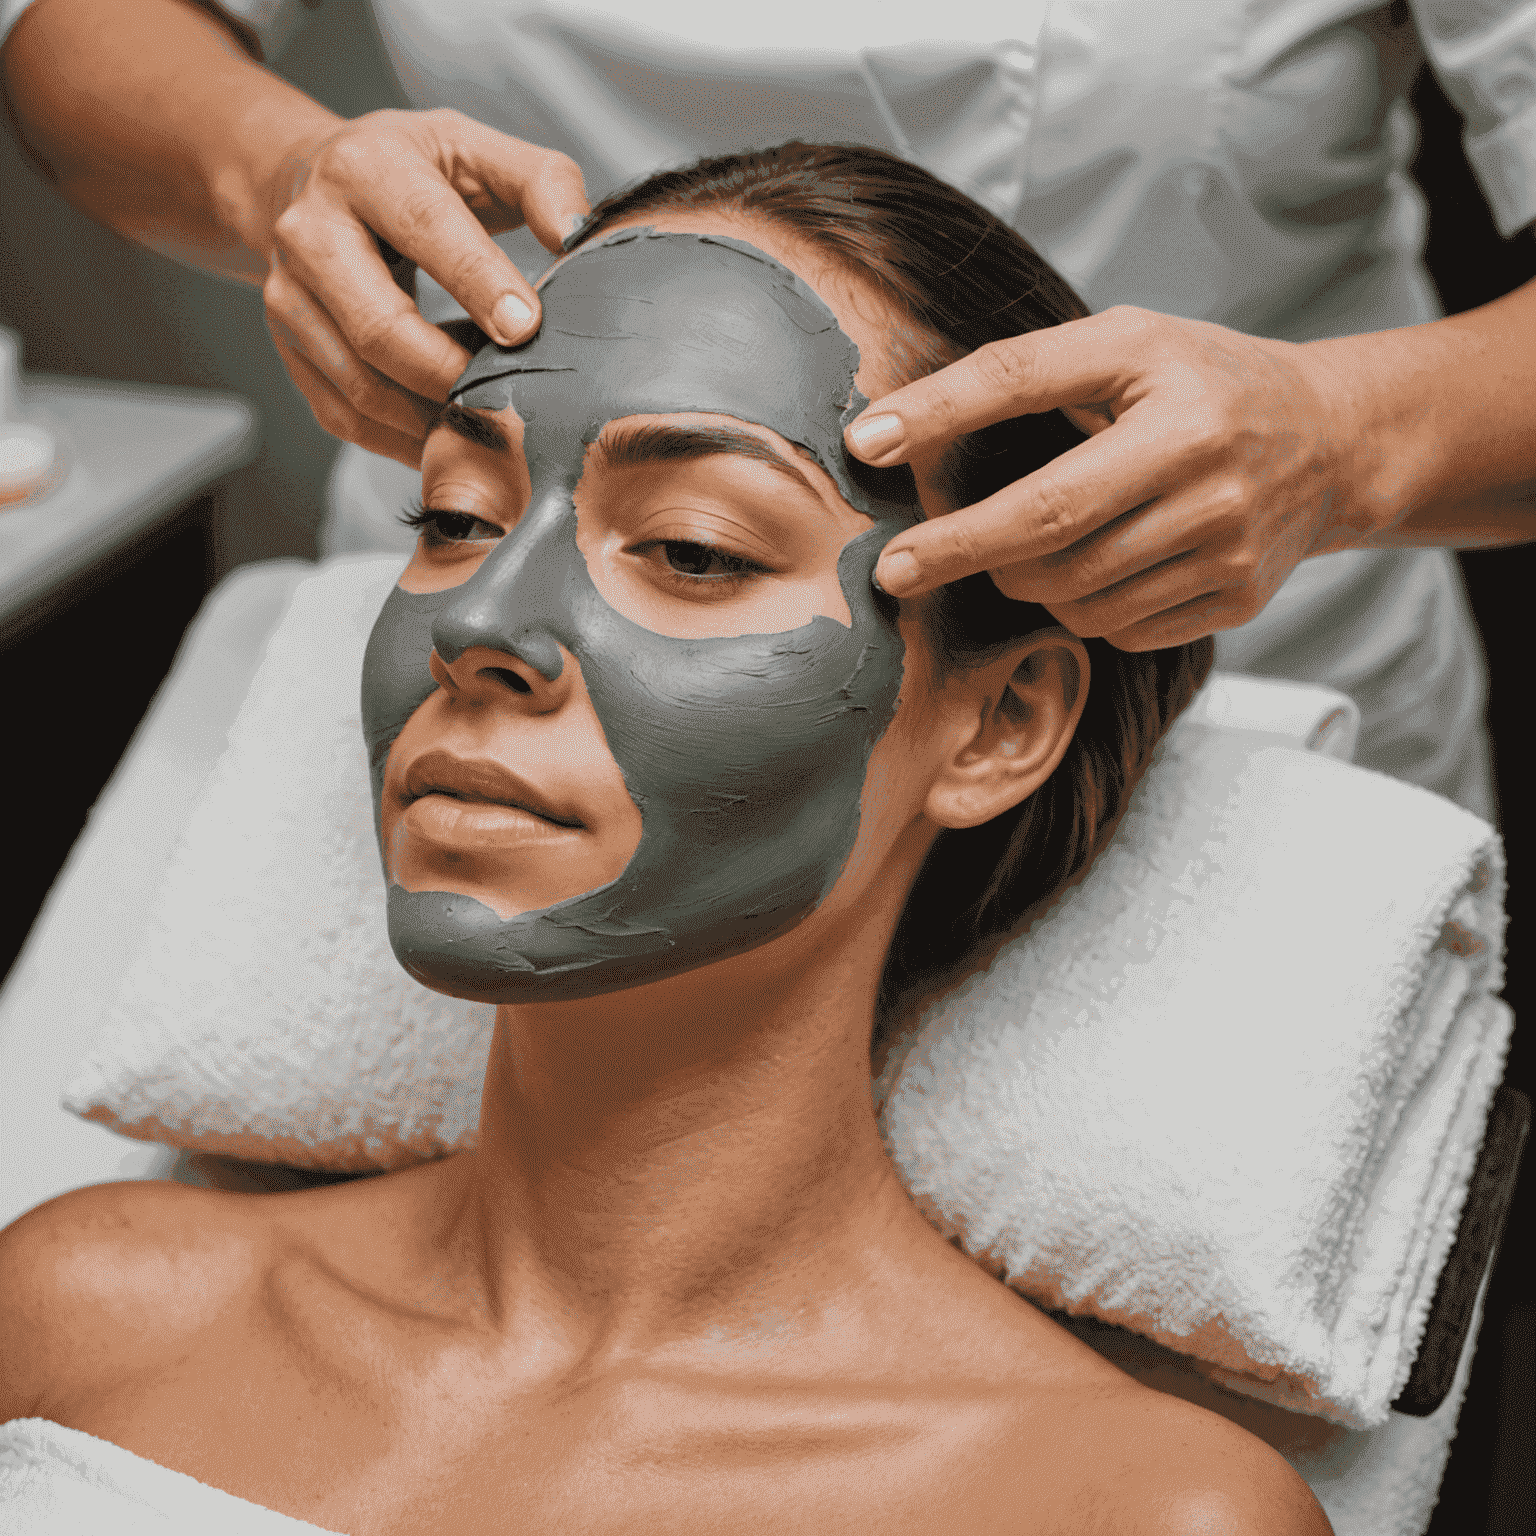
x=86 y=302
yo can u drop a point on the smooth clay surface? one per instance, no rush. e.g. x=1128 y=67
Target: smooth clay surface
x=746 y=756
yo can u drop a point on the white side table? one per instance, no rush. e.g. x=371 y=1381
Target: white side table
x=139 y=456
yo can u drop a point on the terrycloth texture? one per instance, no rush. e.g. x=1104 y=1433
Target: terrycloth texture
x=1370 y=1482
x=1222 y=1100
x=247 y=1027
x=266 y=1016
x=59 y=1482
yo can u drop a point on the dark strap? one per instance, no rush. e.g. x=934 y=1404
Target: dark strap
x=1473 y=1255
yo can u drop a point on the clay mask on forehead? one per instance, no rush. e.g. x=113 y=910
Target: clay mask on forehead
x=746 y=756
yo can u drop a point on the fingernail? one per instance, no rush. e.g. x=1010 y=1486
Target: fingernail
x=897 y=573
x=574 y=228
x=874 y=435
x=510 y=317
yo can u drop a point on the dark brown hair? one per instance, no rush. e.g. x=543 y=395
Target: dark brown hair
x=963 y=278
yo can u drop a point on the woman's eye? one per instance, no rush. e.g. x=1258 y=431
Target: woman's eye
x=438 y=527
x=703 y=561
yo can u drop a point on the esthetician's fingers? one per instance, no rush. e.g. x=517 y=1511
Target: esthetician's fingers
x=489 y=181
x=1149 y=597
x=1109 y=579
x=339 y=267
x=1207 y=614
x=1052 y=512
x=363 y=394
x=1247 y=437
x=335 y=413
x=1066 y=365
x=1185 y=546
x=509 y=181
x=435 y=186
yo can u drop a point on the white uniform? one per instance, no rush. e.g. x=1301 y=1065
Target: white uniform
x=1241 y=161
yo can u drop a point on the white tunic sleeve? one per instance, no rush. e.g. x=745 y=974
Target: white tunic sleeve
x=273 y=22
x=1484 y=54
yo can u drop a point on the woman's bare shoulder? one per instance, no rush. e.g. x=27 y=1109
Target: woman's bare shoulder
x=1133 y=1461
x=1196 y=1472
x=101 y=1284
x=1068 y=1444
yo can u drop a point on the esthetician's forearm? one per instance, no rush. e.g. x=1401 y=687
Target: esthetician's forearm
x=1445 y=415
x=151 y=116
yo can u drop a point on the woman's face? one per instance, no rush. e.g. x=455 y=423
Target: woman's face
x=622 y=704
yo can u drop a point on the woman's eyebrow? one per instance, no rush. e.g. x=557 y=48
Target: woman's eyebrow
x=474 y=426
x=634 y=446
x=631 y=447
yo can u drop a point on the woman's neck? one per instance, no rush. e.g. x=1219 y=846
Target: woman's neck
x=695 y=1158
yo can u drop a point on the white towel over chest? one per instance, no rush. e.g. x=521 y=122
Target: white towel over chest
x=61 y=1482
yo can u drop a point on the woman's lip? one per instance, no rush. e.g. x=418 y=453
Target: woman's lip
x=471 y=828
x=478 y=781
x=483 y=800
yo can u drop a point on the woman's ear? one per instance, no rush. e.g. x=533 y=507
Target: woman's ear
x=1013 y=721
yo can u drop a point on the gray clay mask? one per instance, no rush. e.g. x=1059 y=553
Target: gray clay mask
x=745 y=756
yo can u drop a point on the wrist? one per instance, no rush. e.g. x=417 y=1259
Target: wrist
x=1372 y=403
x=268 y=159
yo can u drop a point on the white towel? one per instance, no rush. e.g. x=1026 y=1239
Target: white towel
x=1222 y=1100
x=1370 y=1482
x=266 y=1018
x=61 y=1482
x=1319 y=719
x=59 y=990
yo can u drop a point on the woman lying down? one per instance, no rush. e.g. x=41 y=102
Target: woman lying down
x=658 y=770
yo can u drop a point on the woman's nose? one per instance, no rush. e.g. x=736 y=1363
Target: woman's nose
x=516 y=602
x=490 y=675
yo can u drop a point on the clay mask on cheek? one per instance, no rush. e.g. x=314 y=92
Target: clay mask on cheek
x=745 y=756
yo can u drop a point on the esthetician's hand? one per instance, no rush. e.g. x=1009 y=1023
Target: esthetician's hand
x=436 y=186
x=1217 y=461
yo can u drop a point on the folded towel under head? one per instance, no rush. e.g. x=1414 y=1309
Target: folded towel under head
x=1218 y=1099
x=1227 y=1092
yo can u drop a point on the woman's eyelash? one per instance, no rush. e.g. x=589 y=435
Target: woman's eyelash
x=688 y=560
x=416 y=515
x=438 y=524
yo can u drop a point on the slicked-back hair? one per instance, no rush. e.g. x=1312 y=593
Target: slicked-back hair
x=963 y=279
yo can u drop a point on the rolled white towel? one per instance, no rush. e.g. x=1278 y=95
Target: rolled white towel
x=1219 y=1097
